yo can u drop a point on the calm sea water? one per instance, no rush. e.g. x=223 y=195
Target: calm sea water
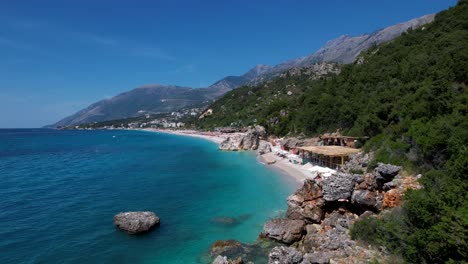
x=59 y=191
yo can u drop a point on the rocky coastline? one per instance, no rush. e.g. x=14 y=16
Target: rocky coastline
x=318 y=219
x=316 y=227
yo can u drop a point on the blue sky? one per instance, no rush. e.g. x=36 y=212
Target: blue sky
x=58 y=57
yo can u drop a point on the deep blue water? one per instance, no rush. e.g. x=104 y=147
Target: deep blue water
x=59 y=191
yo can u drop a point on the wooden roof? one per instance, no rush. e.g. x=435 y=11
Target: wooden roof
x=331 y=151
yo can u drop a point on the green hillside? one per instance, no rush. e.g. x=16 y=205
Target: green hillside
x=410 y=97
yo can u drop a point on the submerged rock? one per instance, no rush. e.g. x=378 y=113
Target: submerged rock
x=136 y=222
x=284 y=230
x=228 y=221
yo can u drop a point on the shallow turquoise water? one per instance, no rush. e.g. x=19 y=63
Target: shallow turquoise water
x=60 y=190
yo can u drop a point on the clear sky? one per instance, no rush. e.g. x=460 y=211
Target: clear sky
x=57 y=57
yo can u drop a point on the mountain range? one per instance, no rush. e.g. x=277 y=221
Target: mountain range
x=165 y=98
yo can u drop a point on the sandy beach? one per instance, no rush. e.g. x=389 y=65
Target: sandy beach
x=286 y=167
x=211 y=136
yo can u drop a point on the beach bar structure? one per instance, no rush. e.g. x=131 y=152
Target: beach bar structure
x=339 y=140
x=328 y=156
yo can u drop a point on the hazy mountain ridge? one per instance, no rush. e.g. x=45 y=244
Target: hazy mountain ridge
x=164 y=98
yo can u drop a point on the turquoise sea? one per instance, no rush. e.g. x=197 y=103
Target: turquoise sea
x=59 y=191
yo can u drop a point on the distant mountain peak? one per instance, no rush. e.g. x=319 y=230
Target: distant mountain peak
x=344 y=49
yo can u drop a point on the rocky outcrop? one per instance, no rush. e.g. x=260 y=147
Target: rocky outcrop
x=368 y=200
x=286 y=231
x=384 y=173
x=136 y=222
x=284 y=255
x=231 y=144
x=306 y=203
x=338 y=187
x=248 y=141
x=225 y=260
x=263 y=147
x=322 y=211
x=392 y=199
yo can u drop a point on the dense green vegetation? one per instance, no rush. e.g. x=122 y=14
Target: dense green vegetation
x=410 y=96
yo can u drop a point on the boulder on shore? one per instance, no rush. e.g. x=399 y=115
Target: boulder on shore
x=248 y=141
x=136 y=222
x=263 y=147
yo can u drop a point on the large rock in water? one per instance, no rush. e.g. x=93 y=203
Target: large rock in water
x=136 y=222
x=284 y=230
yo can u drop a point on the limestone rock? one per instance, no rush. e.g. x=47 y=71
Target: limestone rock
x=231 y=144
x=249 y=141
x=225 y=260
x=340 y=218
x=284 y=230
x=136 y=222
x=220 y=260
x=385 y=173
x=306 y=203
x=392 y=199
x=263 y=147
x=368 y=200
x=320 y=257
x=337 y=187
x=284 y=255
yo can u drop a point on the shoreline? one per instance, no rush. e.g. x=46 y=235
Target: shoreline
x=281 y=165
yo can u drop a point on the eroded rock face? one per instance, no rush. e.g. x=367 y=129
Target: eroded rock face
x=286 y=231
x=338 y=187
x=263 y=147
x=306 y=203
x=231 y=144
x=284 y=255
x=249 y=141
x=136 y=222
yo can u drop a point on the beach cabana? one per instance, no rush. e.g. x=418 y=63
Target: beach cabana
x=328 y=156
